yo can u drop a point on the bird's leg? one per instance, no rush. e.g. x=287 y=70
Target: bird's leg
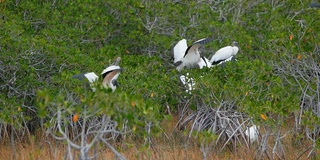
x=233 y=58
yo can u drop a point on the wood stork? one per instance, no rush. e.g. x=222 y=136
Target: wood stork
x=225 y=54
x=185 y=56
x=109 y=75
x=252 y=133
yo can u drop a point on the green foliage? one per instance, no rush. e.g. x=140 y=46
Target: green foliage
x=119 y=106
x=44 y=43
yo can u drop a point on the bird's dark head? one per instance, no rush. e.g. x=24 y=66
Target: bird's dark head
x=116 y=61
x=235 y=43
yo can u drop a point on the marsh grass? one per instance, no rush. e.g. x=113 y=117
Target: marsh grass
x=171 y=144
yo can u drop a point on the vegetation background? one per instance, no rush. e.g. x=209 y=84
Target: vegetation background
x=274 y=83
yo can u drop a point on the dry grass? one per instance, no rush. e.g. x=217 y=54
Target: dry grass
x=171 y=146
x=44 y=151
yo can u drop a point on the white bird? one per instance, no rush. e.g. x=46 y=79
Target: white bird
x=185 y=56
x=188 y=82
x=252 y=133
x=109 y=75
x=225 y=54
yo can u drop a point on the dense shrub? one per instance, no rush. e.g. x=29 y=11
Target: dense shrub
x=44 y=43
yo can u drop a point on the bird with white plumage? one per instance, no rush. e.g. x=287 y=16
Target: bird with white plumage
x=109 y=75
x=252 y=133
x=185 y=56
x=225 y=54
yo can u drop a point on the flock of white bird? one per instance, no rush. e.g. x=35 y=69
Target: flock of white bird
x=184 y=57
x=190 y=57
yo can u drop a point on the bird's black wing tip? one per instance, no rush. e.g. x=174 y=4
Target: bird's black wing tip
x=217 y=62
x=204 y=40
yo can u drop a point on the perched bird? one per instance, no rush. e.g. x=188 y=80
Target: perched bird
x=225 y=54
x=109 y=75
x=252 y=133
x=185 y=56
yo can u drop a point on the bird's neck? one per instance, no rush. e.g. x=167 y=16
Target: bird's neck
x=105 y=83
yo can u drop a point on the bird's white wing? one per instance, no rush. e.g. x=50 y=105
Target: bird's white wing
x=110 y=68
x=192 y=55
x=222 y=54
x=179 y=50
x=204 y=63
x=195 y=46
x=91 y=76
